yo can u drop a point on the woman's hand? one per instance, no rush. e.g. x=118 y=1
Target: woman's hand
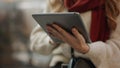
x=77 y=41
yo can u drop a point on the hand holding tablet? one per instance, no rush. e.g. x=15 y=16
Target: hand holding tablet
x=65 y=20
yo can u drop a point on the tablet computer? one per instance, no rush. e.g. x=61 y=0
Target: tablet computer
x=66 y=20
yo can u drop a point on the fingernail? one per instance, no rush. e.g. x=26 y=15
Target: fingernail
x=48 y=28
x=73 y=29
x=53 y=24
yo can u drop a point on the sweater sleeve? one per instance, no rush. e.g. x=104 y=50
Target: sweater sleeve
x=101 y=52
x=106 y=54
x=40 y=41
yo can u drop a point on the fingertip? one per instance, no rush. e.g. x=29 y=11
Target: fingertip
x=47 y=27
x=73 y=29
x=53 y=24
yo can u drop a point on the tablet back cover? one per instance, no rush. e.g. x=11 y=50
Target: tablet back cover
x=65 y=20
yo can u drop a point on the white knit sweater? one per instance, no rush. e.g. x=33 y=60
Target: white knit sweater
x=102 y=54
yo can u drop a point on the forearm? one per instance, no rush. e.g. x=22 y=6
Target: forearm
x=103 y=52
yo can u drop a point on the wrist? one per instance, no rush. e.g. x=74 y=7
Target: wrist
x=86 y=49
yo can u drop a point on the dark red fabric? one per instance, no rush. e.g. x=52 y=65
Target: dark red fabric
x=99 y=28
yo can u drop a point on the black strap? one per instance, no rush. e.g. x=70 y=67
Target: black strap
x=75 y=59
x=72 y=53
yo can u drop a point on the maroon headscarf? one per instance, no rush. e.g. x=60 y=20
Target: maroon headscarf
x=99 y=28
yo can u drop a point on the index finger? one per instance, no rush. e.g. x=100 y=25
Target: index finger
x=65 y=34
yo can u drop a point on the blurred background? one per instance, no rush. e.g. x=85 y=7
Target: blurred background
x=16 y=24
